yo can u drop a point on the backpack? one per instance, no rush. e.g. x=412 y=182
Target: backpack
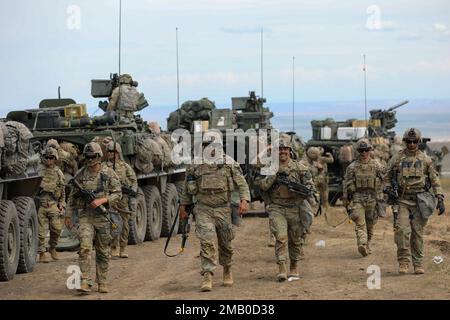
x=15 y=149
x=128 y=98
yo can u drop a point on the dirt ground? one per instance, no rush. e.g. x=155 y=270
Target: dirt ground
x=333 y=271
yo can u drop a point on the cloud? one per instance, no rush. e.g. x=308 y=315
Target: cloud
x=440 y=27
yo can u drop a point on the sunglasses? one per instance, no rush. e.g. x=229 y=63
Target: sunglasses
x=91 y=157
x=412 y=141
x=363 y=150
x=50 y=158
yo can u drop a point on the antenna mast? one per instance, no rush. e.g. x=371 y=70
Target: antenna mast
x=365 y=93
x=293 y=94
x=178 y=71
x=262 y=65
x=120 y=30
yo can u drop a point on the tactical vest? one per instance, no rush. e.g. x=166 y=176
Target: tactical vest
x=365 y=176
x=214 y=179
x=412 y=173
x=52 y=183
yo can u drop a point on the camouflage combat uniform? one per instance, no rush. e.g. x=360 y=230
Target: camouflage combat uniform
x=52 y=195
x=363 y=181
x=411 y=170
x=94 y=228
x=124 y=98
x=128 y=179
x=212 y=185
x=289 y=217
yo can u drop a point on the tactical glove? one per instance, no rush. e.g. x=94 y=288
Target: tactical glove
x=440 y=205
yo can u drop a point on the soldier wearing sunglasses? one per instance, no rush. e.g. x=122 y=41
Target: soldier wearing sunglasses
x=414 y=182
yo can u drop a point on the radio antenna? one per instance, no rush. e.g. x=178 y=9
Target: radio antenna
x=262 y=65
x=365 y=93
x=293 y=94
x=120 y=30
x=178 y=70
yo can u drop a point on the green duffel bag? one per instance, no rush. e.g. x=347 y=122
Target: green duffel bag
x=426 y=202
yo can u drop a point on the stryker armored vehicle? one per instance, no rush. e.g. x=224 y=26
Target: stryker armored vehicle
x=146 y=151
x=19 y=183
x=339 y=138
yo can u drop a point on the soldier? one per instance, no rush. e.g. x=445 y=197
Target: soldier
x=320 y=162
x=94 y=227
x=52 y=201
x=362 y=188
x=127 y=205
x=289 y=216
x=412 y=172
x=66 y=162
x=211 y=184
x=124 y=98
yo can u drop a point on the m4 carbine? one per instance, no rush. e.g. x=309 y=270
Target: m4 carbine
x=88 y=197
x=129 y=192
x=301 y=189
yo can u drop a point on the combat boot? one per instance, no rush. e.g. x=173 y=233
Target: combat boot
x=419 y=269
x=282 y=272
x=227 y=277
x=115 y=252
x=123 y=254
x=369 y=251
x=103 y=288
x=363 y=250
x=207 y=282
x=54 y=254
x=293 y=269
x=84 y=287
x=43 y=257
x=403 y=268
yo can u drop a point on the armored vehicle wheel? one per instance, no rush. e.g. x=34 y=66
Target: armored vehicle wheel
x=138 y=223
x=9 y=240
x=28 y=223
x=154 y=212
x=170 y=206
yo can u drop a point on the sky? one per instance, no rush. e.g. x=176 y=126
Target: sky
x=50 y=43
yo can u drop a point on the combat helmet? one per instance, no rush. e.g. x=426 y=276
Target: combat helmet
x=92 y=148
x=313 y=153
x=114 y=146
x=52 y=143
x=50 y=152
x=363 y=144
x=125 y=79
x=412 y=134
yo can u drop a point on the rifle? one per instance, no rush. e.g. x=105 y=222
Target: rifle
x=185 y=229
x=301 y=189
x=129 y=192
x=392 y=191
x=88 y=197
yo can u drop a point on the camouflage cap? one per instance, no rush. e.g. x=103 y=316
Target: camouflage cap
x=363 y=144
x=93 y=148
x=125 y=78
x=50 y=152
x=412 y=134
x=52 y=143
x=114 y=146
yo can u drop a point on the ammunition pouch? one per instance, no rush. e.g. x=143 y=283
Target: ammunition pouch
x=426 y=203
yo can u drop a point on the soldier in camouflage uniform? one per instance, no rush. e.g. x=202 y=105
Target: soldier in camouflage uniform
x=211 y=184
x=288 y=215
x=124 y=98
x=362 y=188
x=66 y=162
x=415 y=175
x=94 y=228
x=127 y=179
x=320 y=162
x=52 y=201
